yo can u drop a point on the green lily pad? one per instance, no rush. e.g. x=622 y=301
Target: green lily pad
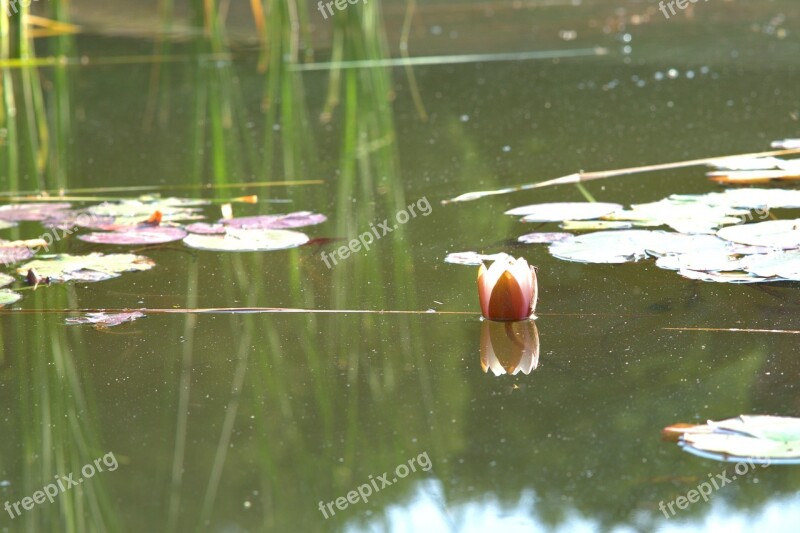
x=558 y=211
x=604 y=247
x=247 y=240
x=91 y=267
x=5 y=279
x=761 y=439
x=8 y=297
x=784 y=234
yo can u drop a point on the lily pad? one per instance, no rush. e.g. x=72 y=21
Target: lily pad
x=105 y=320
x=471 y=258
x=8 y=297
x=761 y=439
x=137 y=235
x=604 y=247
x=29 y=212
x=594 y=225
x=558 y=211
x=784 y=234
x=543 y=238
x=247 y=240
x=4 y=224
x=5 y=279
x=784 y=265
x=205 y=228
x=705 y=261
x=114 y=215
x=91 y=267
x=723 y=277
x=292 y=220
x=14 y=254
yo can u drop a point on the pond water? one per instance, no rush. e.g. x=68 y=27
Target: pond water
x=260 y=421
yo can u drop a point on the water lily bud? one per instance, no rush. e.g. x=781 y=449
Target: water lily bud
x=508 y=289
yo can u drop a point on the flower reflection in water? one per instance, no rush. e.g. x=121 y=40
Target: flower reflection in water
x=509 y=347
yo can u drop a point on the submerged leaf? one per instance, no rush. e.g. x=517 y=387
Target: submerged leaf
x=759 y=438
x=105 y=320
x=91 y=267
x=247 y=240
x=137 y=235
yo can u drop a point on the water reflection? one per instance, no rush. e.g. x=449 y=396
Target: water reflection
x=509 y=347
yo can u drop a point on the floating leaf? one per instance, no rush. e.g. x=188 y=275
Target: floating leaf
x=543 y=238
x=723 y=277
x=558 y=211
x=705 y=261
x=593 y=225
x=784 y=265
x=750 y=198
x=685 y=215
x=14 y=254
x=105 y=320
x=29 y=212
x=91 y=267
x=247 y=240
x=787 y=144
x=137 y=235
x=112 y=215
x=8 y=297
x=292 y=220
x=5 y=279
x=5 y=224
x=604 y=247
x=471 y=258
x=205 y=228
x=784 y=234
x=761 y=439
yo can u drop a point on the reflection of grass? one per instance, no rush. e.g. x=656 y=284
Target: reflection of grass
x=56 y=416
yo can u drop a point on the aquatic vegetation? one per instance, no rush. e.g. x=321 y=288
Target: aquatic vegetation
x=558 y=211
x=137 y=235
x=760 y=439
x=508 y=289
x=8 y=297
x=102 y=320
x=247 y=240
x=91 y=267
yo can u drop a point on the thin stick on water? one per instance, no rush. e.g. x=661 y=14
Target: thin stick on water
x=579 y=177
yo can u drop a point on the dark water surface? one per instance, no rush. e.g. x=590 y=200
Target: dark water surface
x=252 y=422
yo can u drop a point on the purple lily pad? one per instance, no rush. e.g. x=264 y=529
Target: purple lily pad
x=203 y=228
x=29 y=212
x=137 y=235
x=292 y=220
x=544 y=238
x=14 y=254
x=105 y=320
